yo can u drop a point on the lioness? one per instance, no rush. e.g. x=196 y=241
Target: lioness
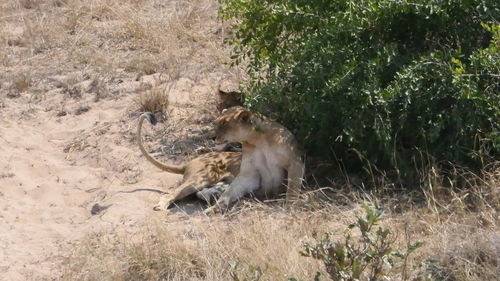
x=268 y=150
x=200 y=173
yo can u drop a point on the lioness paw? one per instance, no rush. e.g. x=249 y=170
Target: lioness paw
x=157 y=207
x=160 y=207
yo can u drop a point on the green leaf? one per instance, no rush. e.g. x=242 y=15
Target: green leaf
x=363 y=225
x=340 y=253
x=356 y=269
x=398 y=254
x=413 y=247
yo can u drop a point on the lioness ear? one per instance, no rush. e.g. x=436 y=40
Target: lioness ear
x=244 y=115
x=224 y=111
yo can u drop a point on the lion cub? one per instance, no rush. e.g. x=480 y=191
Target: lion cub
x=202 y=175
x=269 y=149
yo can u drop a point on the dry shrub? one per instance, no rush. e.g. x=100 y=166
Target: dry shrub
x=73 y=20
x=471 y=255
x=70 y=86
x=459 y=190
x=154 y=100
x=143 y=65
x=21 y=82
x=460 y=224
x=41 y=33
x=474 y=248
x=183 y=36
x=98 y=87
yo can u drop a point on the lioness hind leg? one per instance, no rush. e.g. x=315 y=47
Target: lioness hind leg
x=241 y=186
x=181 y=191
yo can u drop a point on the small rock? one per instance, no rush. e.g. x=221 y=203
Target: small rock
x=96 y=208
x=82 y=109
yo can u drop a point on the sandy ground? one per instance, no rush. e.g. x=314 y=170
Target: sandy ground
x=55 y=168
x=71 y=77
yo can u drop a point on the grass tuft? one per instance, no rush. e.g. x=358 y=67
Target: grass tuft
x=21 y=82
x=154 y=100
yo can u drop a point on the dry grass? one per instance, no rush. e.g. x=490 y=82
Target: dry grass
x=21 y=82
x=267 y=238
x=466 y=221
x=112 y=39
x=143 y=66
x=154 y=100
x=264 y=241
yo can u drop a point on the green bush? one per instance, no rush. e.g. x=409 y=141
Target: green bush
x=388 y=80
x=371 y=258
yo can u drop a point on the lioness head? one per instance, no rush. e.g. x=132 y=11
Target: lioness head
x=234 y=124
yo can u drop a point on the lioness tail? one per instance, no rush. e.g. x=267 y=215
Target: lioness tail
x=177 y=169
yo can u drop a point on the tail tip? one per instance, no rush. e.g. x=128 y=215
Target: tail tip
x=151 y=118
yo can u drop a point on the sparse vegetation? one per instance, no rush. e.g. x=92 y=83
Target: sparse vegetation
x=143 y=66
x=154 y=100
x=263 y=242
x=21 y=82
x=370 y=259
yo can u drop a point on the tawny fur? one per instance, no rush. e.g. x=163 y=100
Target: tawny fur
x=269 y=149
x=200 y=173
